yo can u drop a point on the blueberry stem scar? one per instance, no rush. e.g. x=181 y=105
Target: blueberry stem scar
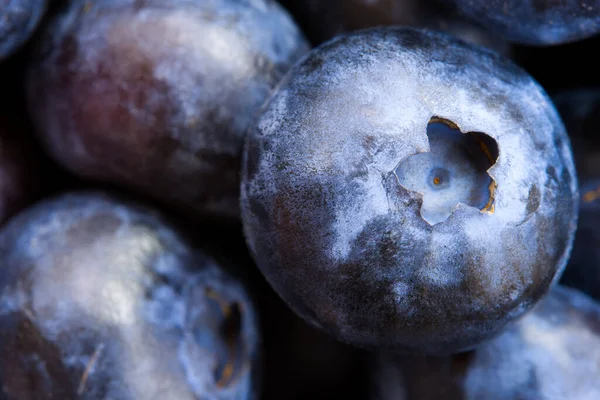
x=455 y=170
x=223 y=305
x=229 y=317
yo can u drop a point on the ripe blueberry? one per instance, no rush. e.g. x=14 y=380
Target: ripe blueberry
x=157 y=95
x=102 y=299
x=551 y=353
x=403 y=189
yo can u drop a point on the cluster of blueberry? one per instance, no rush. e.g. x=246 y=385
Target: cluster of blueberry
x=241 y=199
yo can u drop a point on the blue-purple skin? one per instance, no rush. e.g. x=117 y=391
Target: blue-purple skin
x=18 y=21
x=535 y=22
x=552 y=353
x=102 y=299
x=325 y=19
x=344 y=243
x=579 y=110
x=157 y=95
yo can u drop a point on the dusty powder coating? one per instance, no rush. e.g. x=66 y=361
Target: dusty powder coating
x=102 y=299
x=18 y=20
x=536 y=22
x=344 y=243
x=552 y=353
x=157 y=95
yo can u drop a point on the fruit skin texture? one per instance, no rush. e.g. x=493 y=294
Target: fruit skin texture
x=551 y=353
x=579 y=110
x=102 y=299
x=344 y=243
x=18 y=20
x=536 y=22
x=157 y=96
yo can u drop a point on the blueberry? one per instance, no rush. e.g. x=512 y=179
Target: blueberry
x=579 y=110
x=551 y=353
x=18 y=20
x=536 y=22
x=406 y=190
x=156 y=95
x=102 y=299
x=324 y=19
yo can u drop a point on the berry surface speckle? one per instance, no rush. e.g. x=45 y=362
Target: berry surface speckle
x=355 y=247
x=299 y=199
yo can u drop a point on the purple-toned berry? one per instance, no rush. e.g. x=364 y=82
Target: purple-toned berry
x=552 y=353
x=403 y=189
x=157 y=95
x=103 y=299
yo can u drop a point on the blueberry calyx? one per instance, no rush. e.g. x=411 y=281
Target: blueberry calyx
x=455 y=170
x=230 y=344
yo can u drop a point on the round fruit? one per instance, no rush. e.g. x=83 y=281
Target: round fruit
x=405 y=190
x=157 y=95
x=552 y=353
x=101 y=299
